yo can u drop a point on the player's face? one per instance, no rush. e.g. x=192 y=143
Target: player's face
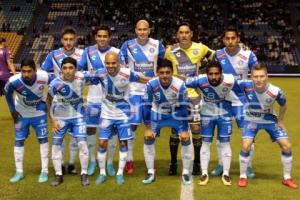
x=102 y=39
x=28 y=73
x=184 y=35
x=231 y=40
x=68 y=41
x=165 y=76
x=142 y=31
x=214 y=76
x=259 y=78
x=111 y=64
x=68 y=71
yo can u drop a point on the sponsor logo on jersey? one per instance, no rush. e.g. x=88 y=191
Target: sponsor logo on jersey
x=195 y=52
x=151 y=50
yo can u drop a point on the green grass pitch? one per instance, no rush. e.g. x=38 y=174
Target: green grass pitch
x=266 y=162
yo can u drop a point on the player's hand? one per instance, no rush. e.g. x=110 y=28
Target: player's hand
x=55 y=127
x=149 y=134
x=184 y=136
x=15 y=116
x=282 y=126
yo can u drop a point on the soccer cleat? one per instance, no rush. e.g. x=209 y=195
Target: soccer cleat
x=57 y=181
x=110 y=169
x=129 y=167
x=203 y=179
x=84 y=180
x=217 y=171
x=72 y=169
x=196 y=169
x=120 y=179
x=290 y=183
x=100 y=179
x=250 y=173
x=226 y=180
x=17 y=177
x=150 y=178
x=43 y=177
x=173 y=169
x=186 y=180
x=92 y=168
x=243 y=182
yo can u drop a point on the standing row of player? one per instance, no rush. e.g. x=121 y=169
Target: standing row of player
x=141 y=55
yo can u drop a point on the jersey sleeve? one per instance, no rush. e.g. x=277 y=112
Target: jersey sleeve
x=9 y=90
x=47 y=65
x=82 y=63
x=191 y=82
x=123 y=55
x=90 y=79
x=52 y=89
x=252 y=61
x=281 y=99
x=161 y=51
x=208 y=53
x=133 y=77
x=147 y=104
x=182 y=109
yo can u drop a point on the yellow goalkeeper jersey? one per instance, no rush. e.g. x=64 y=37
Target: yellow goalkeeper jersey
x=186 y=62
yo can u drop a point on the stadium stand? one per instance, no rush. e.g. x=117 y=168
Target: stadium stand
x=265 y=26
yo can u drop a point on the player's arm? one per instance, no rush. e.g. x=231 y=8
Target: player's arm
x=134 y=77
x=47 y=65
x=10 y=63
x=51 y=93
x=82 y=62
x=281 y=100
x=123 y=55
x=9 y=91
x=147 y=105
x=182 y=111
x=191 y=82
x=161 y=51
x=90 y=79
x=252 y=61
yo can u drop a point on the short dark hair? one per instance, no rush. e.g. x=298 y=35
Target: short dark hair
x=213 y=64
x=231 y=28
x=185 y=24
x=69 y=60
x=28 y=62
x=103 y=28
x=164 y=63
x=68 y=30
x=259 y=66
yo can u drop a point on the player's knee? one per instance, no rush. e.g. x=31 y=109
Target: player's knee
x=246 y=147
x=91 y=130
x=103 y=144
x=195 y=128
x=57 y=141
x=19 y=143
x=286 y=146
x=43 y=140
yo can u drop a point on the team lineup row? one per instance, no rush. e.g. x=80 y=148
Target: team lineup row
x=137 y=83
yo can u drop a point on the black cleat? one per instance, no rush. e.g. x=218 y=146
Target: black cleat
x=173 y=169
x=72 y=169
x=196 y=169
x=57 y=181
x=84 y=180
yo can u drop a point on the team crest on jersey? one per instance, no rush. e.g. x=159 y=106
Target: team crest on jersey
x=225 y=89
x=240 y=62
x=151 y=50
x=195 y=52
x=268 y=100
x=41 y=87
x=123 y=81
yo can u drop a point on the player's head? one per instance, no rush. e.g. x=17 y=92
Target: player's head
x=142 y=30
x=231 y=38
x=68 y=38
x=164 y=71
x=259 y=76
x=112 y=62
x=214 y=73
x=68 y=68
x=184 y=35
x=28 y=70
x=102 y=36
